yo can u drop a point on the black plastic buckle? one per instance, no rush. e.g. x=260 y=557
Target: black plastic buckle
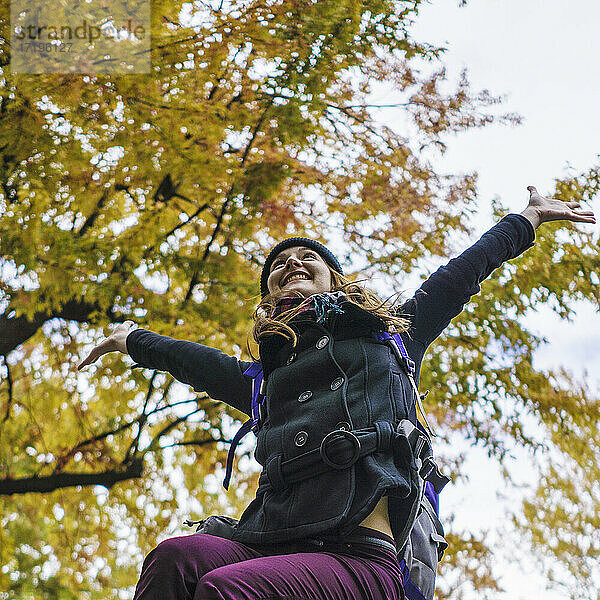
x=345 y=434
x=427 y=468
x=409 y=364
x=430 y=472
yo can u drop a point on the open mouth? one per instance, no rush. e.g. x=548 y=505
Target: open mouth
x=295 y=277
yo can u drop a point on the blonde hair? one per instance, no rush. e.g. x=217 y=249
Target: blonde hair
x=265 y=324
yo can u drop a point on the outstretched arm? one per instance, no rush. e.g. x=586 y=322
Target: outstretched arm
x=445 y=293
x=205 y=369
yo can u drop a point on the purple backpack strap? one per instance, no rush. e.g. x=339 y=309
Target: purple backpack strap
x=410 y=368
x=255 y=371
x=408 y=363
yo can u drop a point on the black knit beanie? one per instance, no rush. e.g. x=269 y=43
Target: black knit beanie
x=325 y=254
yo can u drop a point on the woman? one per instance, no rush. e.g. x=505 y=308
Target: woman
x=325 y=517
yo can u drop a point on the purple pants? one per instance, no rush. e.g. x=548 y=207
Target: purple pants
x=206 y=567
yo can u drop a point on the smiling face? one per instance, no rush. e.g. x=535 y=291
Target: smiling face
x=301 y=270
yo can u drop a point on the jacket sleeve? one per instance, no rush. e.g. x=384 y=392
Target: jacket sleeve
x=205 y=369
x=445 y=293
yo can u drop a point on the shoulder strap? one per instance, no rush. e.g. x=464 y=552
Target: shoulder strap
x=430 y=491
x=409 y=368
x=254 y=371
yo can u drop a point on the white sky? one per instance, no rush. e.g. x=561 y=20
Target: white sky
x=544 y=56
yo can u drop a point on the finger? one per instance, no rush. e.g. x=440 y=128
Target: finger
x=90 y=358
x=573 y=204
x=582 y=217
x=125 y=324
x=532 y=190
x=105 y=346
x=566 y=214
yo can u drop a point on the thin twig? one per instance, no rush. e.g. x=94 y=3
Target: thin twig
x=62 y=461
x=9 y=381
x=133 y=447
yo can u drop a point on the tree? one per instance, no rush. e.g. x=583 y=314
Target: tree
x=486 y=367
x=561 y=518
x=155 y=197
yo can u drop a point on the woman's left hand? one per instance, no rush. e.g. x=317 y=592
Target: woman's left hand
x=540 y=209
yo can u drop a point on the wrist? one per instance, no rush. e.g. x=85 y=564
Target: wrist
x=532 y=215
x=120 y=343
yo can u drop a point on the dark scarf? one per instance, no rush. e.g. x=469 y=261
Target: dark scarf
x=318 y=307
x=353 y=322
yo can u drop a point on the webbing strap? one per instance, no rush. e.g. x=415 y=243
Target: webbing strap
x=432 y=496
x=346 y=447
x=241 y=432
x=411 y=591
x=346 y=541
x=409 y=368
x=282 y=474
x=255 y=371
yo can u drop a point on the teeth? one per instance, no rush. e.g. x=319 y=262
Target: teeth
x=298 y=276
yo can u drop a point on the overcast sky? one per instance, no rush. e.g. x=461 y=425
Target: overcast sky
x=544 y=56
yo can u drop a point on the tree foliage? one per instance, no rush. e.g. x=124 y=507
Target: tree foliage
x=487 y=387
x=155 y=198
x=562 y=518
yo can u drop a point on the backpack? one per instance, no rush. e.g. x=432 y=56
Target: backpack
x=421 y=543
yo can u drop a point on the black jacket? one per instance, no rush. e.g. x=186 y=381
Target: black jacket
x=338 y=377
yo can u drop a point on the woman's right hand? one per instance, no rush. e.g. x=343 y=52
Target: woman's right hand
x=113 y=343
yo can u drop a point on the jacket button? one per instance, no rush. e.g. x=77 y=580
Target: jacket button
x=322 y=342
x=291 y=358
x=304 y=396
x=301 y=438
x=343 y=425
x=336 y=383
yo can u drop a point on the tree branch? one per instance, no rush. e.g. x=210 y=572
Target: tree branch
x=89 y=222
x=148 y=251
x=170 y=426
x=50 y=483
x=350 y=106
x=10 y=390
x=196 y=442
x=133 y=448
x=195 y=274
x=17 y=330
